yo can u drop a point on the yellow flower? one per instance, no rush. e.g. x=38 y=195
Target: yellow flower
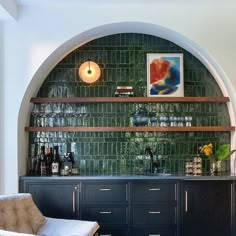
x=207 y=150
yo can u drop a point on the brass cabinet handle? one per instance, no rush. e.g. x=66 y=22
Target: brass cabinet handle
x=154 y=212
x=154 y=189
x=105 y=189
x=186 y=201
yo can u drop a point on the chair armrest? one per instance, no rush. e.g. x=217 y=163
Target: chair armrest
x=10 y=233
x=62 y=227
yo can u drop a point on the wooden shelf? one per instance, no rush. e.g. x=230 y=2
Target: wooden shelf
x=132 y=129
x=129 y=99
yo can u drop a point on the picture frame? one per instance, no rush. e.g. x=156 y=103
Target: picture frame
x=165 y=75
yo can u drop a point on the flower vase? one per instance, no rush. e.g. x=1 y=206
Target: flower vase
x=213 y=166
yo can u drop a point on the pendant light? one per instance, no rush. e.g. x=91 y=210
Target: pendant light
x=89 y=72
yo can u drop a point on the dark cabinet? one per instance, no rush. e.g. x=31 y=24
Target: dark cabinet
x=154 y=207
x=114 y=215
x=113 y=231
x=207 y=208
x=107 y=203
x=54 y=199
x=154 y=215
x=154 y=191
x=104 y=192
x=137 y=207
x=153 y=232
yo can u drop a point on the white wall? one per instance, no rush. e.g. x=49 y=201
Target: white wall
x=39 y=32
x=1 y=108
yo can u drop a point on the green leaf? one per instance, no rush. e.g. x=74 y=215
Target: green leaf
x=223 y=152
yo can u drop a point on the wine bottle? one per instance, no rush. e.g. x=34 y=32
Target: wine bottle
x=38 y=163
x=49 y=161
x=42 y=161
x=55 y=162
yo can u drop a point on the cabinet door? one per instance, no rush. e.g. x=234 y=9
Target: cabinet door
x=112 y=215
x=154 y=215
x=104 y=192
x=153 y=232
x=113 y=231
x=155 y=192
x=55 y=199
x=207 y=208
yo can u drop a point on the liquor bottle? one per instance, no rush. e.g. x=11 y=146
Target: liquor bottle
x=49 y=161
x=38 y=163
x=42 y=161
x=31 y=161
x=55 y=162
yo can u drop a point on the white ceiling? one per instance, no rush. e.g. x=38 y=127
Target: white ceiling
x=9 y=8
x=79 y=2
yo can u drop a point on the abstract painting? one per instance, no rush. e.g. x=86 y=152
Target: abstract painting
x=165 y=75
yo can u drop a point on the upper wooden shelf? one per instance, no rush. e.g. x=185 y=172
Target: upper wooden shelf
x=131 y=129
x=128 y=99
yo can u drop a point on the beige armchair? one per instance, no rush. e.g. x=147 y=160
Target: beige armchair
x=19 y=216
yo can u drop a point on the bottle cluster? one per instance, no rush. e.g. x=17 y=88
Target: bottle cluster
x=194 y=167
x=46 y=161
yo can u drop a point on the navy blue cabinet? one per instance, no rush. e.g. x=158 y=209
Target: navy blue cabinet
x=138 y=207
x=153 y=232
x=207 y=208
x=154 y=207
x=106 y=202
x=54 y=198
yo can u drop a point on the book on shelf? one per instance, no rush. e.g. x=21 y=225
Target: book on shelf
x=124 y=94
x=124 y=91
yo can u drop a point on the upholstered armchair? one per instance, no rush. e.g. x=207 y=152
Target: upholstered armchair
x=19 y=216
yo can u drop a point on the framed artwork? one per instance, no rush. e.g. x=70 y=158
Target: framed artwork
x=165 y=75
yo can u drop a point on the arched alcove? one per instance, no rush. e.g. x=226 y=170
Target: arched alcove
x=81 y=39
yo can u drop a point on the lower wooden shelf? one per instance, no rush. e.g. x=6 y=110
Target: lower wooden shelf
x=131 y=129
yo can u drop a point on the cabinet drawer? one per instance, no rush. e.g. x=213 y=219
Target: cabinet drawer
x=153 y=232
x=106 y=215
x=104 y=192
x=154 y=215
x=114 y=231
x=153 y=192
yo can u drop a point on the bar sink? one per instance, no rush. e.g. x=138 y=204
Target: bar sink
x=157 y=174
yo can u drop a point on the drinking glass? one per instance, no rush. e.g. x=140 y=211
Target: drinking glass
x=188 y=120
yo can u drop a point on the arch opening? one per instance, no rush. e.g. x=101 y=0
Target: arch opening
x=105 y=30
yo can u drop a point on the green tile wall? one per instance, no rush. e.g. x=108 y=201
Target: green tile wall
x=122 y=59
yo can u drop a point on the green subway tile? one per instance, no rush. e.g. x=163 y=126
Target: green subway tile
x=122 y=58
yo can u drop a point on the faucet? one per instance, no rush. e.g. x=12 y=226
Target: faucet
x=153 y=165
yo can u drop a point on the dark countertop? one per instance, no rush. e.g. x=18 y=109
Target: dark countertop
x=179 y=176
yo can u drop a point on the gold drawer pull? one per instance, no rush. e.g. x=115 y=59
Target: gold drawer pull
x=154 y=212
x=105 y=189
x=105 y=212
x=154 y=189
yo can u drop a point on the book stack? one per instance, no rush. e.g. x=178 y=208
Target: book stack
x=124 y=91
